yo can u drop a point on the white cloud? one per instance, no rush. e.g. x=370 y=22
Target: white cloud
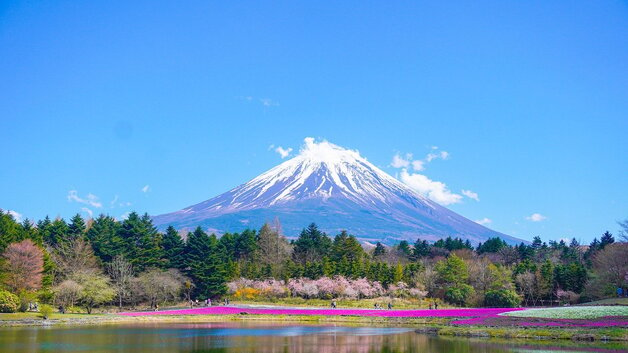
x=124 y=216
x=400 y=162
x=17 y=216
x=536 y=217
x=437 y=155
x=484 y=221
x=267 y=102
x=418 y=165
x=470 y=194
x=146 y=188
x=91 y=199
x=434 y=190
x=283 y=152
x=88 y=211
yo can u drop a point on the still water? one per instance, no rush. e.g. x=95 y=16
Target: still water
x=256 y=337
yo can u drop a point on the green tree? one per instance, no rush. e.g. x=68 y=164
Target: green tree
x=312 y=245
x=205 y=264
x=76 y=228
x=142 y=242
x=174 y=249
x=96 y=290
x=380 y=250
x=421 y=249
x=346 y=246
x=105 y=238
x=453 y=275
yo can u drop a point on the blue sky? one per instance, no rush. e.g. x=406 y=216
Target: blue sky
x=528 y=99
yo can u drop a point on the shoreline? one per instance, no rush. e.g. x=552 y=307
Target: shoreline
x=440 y=326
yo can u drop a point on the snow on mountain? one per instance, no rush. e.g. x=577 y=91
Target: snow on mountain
x=337 y=189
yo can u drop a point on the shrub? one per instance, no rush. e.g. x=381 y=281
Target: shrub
x=9 y=302
x=45 y=311
x=459 y=294
x=502 y=298
x=26 y=298
x=247 y=293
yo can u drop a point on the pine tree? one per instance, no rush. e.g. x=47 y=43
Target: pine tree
x=142 y=242
x=421 y=249
x=311 y=245
x=205 y=264
x=76 y=229
x=346 y=246
x=105 y=238
x=56 y=233
x=607 y=238
x=379 y=250
x=174 y=249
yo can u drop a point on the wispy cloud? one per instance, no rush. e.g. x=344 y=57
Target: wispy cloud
x=536 y=217
x=404 y=161
x=123 y=216
x=434 y=190
x=88 y=211
x=90 y=199
x=112 y=204
x=470 y=194
x=484 y=221
x=146 y=188
x=267 y=102
x=283 y=152
x=400 y=162
x=418 y=165
x=16 y=215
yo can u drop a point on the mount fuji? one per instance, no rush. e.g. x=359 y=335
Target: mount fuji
x=337 y=189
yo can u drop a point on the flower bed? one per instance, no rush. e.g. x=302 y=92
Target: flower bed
x=229 y=310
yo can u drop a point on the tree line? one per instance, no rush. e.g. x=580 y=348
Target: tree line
x=129 y=262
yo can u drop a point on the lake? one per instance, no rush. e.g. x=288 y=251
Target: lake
x=256 y=337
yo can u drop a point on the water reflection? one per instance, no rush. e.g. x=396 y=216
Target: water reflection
x=249 y=337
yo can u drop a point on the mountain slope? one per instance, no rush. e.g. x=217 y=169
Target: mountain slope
x=337 y=189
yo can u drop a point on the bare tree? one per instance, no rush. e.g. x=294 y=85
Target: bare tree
x=157 y=286
x=273 y=246
x=74 y=257
x=121 y=273
x=67 y=293
x=623 y=232
x=527 y=284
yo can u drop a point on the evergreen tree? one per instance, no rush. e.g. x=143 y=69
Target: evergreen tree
x=346 y=246
x=379 y=250
x=174 y=249
x=421 y=249
x=311 y=245
x=76 y=229
x=205 y=264
x=105 y=240
x=57 y=232
x=492 y=245
x=142 y=242
x=607 y=238
x=404 y=249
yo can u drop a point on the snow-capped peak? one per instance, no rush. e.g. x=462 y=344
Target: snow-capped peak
x=332 y=186
x=326 y=152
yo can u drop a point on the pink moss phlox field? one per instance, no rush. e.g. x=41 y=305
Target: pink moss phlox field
x=607 y=321
x=222 y=310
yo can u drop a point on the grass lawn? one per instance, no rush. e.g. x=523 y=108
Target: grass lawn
x=37 y=316
x=572 y=312
x=610 y=301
